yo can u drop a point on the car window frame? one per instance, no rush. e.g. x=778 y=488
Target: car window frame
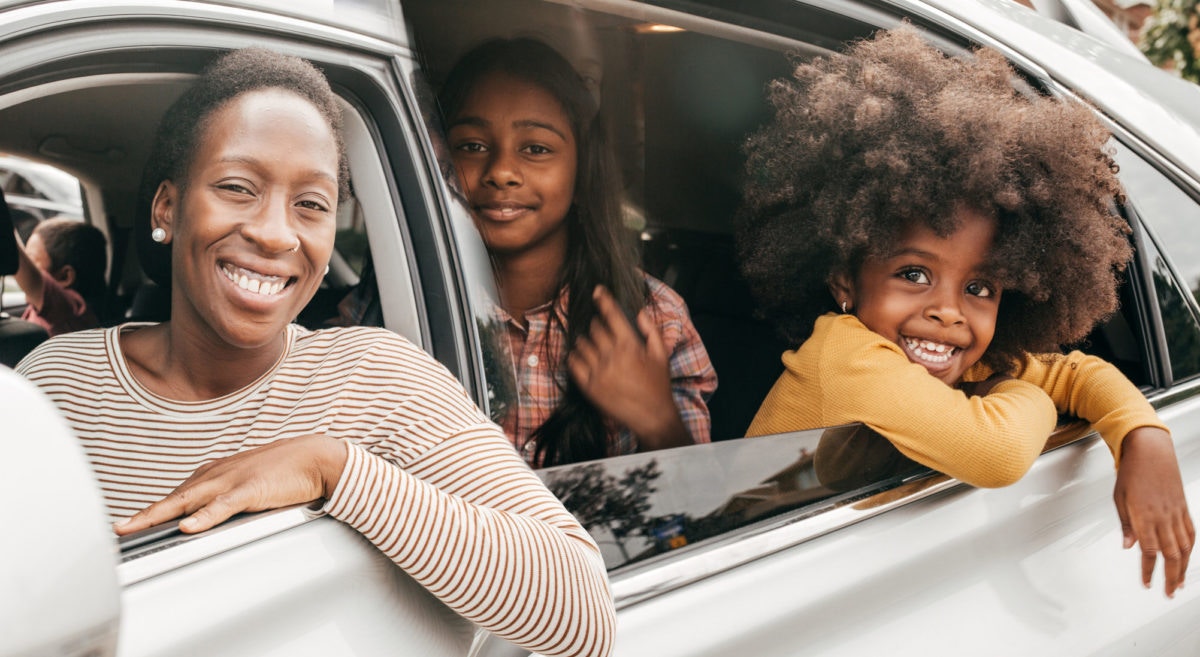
x=378 y=148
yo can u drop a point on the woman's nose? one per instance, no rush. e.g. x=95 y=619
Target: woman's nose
x=503 y=170
x=271 y=227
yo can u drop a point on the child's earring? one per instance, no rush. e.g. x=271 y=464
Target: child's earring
x=845 y=306
x=158 y=235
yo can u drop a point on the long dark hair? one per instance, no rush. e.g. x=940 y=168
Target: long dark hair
x=600 y=250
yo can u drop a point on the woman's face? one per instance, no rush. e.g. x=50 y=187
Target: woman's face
x=516 y=157
x=252 y=229
x=932 y=296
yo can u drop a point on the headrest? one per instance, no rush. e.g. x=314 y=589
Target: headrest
x=8 y=241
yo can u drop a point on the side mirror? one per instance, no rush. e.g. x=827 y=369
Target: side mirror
x=58 y=556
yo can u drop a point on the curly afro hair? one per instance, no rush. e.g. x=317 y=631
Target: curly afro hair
x=893 y=132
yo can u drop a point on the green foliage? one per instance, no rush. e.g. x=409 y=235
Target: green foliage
x=1171 y=37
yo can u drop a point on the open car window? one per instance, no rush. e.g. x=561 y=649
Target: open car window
x=681 y=90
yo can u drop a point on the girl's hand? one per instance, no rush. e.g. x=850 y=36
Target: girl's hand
x=288 y=471
x=1151 y=505
x=627 y=378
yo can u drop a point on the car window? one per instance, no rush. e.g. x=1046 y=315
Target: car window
x=1172 y=218
x=126 y=96
x=681 y=92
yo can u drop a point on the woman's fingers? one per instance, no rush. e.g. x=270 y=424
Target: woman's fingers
x=284 y=472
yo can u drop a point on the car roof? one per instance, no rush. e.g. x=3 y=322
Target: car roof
x=1153 y=105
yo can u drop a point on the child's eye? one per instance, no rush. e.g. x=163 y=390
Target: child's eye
x=915 y=276
x=978 y=289
x=538 y=149
x=471 y=147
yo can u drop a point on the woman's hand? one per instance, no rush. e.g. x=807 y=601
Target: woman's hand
x=627 y=377
x=288 y=471
x=1151 y=505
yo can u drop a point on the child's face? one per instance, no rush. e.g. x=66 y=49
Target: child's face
x=516 y=156
x=932 y=296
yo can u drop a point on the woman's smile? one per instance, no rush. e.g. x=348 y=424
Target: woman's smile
x=255 y=282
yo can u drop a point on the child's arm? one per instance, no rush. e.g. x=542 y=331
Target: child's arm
x=846 y=373
x=1152 y=507
x=28 y=276
x=1149 y=491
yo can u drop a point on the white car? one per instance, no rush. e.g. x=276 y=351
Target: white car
x=732 y=548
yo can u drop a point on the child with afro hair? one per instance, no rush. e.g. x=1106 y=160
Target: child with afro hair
x=933 y=236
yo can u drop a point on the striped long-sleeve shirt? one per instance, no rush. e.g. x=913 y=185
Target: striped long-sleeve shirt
x=428 y=479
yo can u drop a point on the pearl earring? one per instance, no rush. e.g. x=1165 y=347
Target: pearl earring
x=158 y=235
x=844 y=304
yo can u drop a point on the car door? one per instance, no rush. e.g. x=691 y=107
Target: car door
x=82 y=86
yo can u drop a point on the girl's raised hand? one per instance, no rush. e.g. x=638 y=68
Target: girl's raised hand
x=1152 y=507
x=285 y=472
x=627 y=376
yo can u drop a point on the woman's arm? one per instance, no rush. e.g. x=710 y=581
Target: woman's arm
x=418 y=470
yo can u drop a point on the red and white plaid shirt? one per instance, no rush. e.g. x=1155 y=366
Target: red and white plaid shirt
x=541 y=343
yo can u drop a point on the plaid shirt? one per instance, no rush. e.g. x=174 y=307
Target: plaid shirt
x=533 y=348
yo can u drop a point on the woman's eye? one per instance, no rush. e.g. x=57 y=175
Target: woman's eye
x=977 y=289
x=309 y=204
x=234 y=187
x=915 y=276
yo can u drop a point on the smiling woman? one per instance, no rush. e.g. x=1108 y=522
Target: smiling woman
x=230 y=407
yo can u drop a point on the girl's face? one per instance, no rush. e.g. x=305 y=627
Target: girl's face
x=252 y=230
x=516 y=156
x=932 y=296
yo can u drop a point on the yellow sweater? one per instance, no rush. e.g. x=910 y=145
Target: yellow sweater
x=847 y=373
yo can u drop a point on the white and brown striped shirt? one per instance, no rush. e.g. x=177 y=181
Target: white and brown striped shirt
x=428 y=479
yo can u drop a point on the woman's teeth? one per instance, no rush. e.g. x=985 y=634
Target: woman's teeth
x=933 y=352
x=254 y=282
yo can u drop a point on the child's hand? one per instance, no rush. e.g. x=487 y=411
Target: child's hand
x=626 y=378
x=1151 y=504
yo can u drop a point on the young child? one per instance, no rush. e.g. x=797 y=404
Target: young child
x=960 y=231
x=61 y=271
x=524 y=135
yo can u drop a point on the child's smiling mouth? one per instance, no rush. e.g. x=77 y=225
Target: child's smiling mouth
x=502 y=211
x=928 y=352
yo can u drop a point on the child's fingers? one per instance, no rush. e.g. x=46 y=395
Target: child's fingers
x=1175 y=560
x=585 y=353
x=600 y=334
x=654 y=344
x=1130 y=537
x=616 y=323
x=1149 y=558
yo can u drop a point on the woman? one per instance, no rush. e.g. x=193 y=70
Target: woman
x=262 y=413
